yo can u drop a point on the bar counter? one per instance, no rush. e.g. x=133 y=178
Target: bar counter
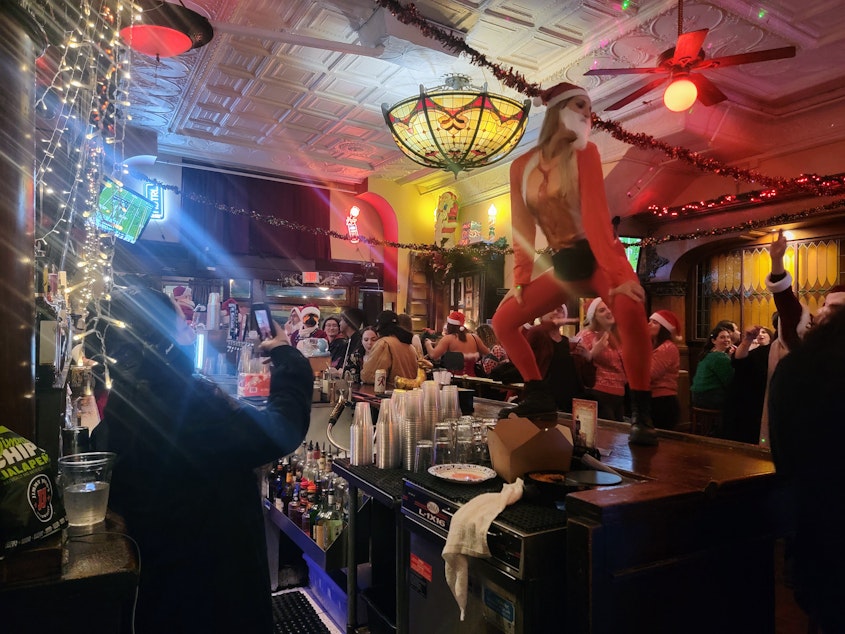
x=685 y=544
x=83 y=581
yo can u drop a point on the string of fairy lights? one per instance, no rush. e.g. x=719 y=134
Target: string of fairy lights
x=93 y=77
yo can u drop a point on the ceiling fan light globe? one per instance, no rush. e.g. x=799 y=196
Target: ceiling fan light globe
x=680 y=95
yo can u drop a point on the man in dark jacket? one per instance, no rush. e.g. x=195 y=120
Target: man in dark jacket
x=184 y=479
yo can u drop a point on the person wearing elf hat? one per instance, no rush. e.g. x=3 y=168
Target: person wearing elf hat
x=559 y=185
x=664 y=327
x=309 y=326
x=456 y=339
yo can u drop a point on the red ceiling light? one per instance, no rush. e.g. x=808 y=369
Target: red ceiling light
x=164 y=29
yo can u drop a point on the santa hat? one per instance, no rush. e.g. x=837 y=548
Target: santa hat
x=179 y=291
x=591 y=310
x=309 y=309
x=560 y=92
x=456 y=318
x=668 y=320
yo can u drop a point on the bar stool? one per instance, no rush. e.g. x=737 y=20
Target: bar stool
x=705 y=422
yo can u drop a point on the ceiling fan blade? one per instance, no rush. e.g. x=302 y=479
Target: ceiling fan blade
x=708 y=93
x=747 y=58
x=627 y=71
x=688 y=47
x=637 y=94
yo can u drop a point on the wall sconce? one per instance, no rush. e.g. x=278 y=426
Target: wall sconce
x=491 y=222
x=352 y=225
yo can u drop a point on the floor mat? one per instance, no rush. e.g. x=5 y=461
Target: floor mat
x=294 y=614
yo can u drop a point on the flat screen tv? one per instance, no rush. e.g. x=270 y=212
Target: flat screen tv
x=122 y=212
x=632 y=250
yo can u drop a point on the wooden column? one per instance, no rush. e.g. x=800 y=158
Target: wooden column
x=21 y=41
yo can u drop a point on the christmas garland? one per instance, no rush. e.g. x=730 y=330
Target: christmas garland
x=447 y=257
x=409 y=15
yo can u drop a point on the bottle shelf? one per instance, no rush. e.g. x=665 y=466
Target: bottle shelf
x=335 y=557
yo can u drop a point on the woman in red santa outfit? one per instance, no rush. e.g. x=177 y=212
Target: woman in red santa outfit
x=559 y=185
x=663 y=325
x=457 y=339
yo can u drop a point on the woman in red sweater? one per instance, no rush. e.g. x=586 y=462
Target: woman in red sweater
x=663 y=326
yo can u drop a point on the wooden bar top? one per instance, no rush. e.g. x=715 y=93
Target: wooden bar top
x=681 y=463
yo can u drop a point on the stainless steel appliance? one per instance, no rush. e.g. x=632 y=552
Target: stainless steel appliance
x=520 y=589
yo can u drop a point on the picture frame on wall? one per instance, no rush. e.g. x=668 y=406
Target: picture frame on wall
x=240 y=289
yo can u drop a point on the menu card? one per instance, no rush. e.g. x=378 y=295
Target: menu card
x=584 y=418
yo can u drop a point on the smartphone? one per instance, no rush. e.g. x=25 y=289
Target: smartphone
x=263 y=321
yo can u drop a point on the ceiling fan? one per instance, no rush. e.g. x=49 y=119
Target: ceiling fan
x=677 y=65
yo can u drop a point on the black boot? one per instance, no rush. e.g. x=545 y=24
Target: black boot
x=642 y=429
x=536 y=402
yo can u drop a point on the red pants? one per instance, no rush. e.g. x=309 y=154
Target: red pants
x=546 y=293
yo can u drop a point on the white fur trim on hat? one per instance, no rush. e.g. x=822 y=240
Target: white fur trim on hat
x=591 y=309
x=660 y=319
x=309 y=310
x=575 y=91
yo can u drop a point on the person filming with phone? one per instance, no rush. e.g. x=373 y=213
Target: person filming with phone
x=184 y=479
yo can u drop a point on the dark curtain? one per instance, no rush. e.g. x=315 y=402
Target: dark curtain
x=210 y=226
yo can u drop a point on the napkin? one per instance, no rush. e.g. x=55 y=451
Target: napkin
x=468 y=536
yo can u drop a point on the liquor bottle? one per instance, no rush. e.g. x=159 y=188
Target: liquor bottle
x=323 y=459
x=294 y=510
x=329 y=521
x=287 y=493
x=316 y=505
x=277 y=473
x=309 y=501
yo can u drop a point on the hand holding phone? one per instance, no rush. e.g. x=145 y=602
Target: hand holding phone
x=263 y=321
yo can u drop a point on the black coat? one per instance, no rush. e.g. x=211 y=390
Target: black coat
x=184 y=481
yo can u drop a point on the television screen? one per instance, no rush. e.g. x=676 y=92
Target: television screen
x=122 y=212
x=632 y=250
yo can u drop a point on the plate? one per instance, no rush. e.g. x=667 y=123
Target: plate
x=467 y=473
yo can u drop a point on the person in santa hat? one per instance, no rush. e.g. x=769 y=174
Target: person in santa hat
x=310 y=325
x=559 y=185
x=664 y=328
x=456 y=339
x=184 y=298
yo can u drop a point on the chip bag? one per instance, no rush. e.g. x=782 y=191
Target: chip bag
x=30 y=508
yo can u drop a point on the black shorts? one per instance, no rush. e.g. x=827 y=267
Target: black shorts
x=575 y=263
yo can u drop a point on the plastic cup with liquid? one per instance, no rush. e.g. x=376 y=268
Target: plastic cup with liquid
x=85 y=479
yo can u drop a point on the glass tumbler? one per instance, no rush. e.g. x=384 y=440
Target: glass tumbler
x=442 y=443
x=423 y=456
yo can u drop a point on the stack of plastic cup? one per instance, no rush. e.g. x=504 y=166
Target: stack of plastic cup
x=411 y=427
x=449 y=407
x=361 y=436
x=387 y=438
x=431 y=407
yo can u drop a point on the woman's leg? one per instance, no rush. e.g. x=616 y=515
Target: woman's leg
x=539 y=297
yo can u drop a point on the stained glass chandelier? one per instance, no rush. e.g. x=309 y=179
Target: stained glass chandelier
x=457 y=126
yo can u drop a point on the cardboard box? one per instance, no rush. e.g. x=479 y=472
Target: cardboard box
x=518 y=446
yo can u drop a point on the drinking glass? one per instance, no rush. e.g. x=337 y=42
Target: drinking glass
x=423 y=456
x=85 y=479
x=442 y=443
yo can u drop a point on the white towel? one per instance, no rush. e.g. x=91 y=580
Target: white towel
x=468 y=536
